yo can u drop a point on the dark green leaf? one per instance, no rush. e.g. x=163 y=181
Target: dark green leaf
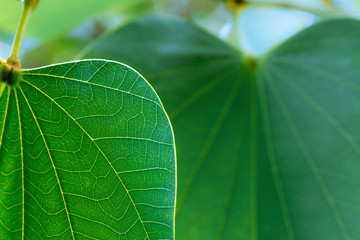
x=267 y=149
x=86 y=152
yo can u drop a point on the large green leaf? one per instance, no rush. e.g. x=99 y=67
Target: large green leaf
x=267 y=149
x=86 y=152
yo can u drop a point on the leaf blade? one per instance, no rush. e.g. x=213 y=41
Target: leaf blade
x=99 y=162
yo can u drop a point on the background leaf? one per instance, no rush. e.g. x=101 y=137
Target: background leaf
x=312 y=91
x=268 y=149
x=86 y=153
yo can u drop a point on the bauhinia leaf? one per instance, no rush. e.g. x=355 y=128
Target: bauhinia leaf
x=268 y=149
x=86 y=152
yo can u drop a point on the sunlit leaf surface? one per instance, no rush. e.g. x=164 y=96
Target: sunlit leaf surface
x=86 y=152
x=267 y=149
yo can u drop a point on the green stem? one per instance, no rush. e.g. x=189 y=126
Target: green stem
x=14 y=60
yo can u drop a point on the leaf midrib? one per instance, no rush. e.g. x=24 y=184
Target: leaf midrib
x=272 y=158
x=92 y=140
x=22 y=168
x=3 y=87
x=322 y=112
x=314 y=168
x=51 y=159
x=208 y=144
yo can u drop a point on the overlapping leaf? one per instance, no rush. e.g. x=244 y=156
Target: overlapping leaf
x=268 y=149
x=86 y=152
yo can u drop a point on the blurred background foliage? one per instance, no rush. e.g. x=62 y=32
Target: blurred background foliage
x=75 y=24
x=195 y=61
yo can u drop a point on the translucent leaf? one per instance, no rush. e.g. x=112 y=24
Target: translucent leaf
x=86 y=152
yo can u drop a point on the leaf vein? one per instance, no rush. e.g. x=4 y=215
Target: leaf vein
x=52 y=161
x=102 y=153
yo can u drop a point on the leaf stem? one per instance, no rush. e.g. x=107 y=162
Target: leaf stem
x=14 y=60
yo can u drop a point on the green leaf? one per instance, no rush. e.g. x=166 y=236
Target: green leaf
x=267 y=149
x=86 y=152
x=52 y=17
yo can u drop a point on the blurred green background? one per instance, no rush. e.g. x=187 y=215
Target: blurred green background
x=263 y=23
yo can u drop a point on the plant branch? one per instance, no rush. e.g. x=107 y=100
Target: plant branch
x=14 y=60
x=327 y=8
